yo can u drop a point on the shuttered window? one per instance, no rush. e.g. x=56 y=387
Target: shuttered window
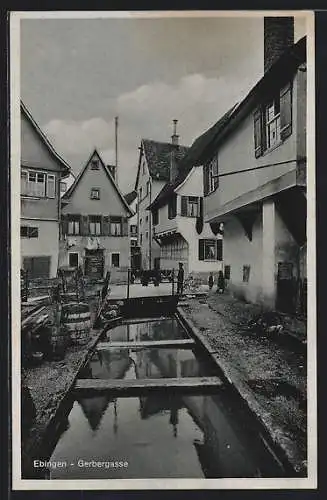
x=95 y=225
x=125 y=226
x=51 y=186
x=29 y=232
x=172 y=207
x=210 y=249
x=105 y=225
x=84 y=225
x=273 y=121
x=219 y=249
x=190 y=206
x=115 y=226
x=155 y=217
x=258 y=146
x=286 y=112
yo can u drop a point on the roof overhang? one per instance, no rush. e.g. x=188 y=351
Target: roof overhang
x=253 y=199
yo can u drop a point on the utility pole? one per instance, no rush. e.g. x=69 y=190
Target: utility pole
x=116 y=149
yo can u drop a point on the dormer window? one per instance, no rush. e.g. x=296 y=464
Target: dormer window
x=95 y=194
x=95 y=165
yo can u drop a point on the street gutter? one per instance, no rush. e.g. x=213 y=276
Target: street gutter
x=33 y=446
x=281 y=446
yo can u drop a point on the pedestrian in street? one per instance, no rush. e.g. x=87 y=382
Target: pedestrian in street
x=210 y=281
x=180 y=279
x=221 y=283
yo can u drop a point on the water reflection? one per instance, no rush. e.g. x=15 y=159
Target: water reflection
x=165 y=329
x=160 y=434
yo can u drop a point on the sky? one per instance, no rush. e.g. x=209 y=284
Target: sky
x=78 y=74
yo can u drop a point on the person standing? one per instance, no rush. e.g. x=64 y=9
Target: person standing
x=180 y=279
x=210 y=281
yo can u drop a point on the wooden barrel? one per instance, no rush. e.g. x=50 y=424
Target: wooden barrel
x=76 y=317
x=59 y=341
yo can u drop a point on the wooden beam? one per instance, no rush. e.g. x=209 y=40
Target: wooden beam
x=137 y=385
x=141 y=344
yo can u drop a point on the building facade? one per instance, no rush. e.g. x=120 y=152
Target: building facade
x=153 y=173
x=179 y=227
x=95 y=215
x=135 y=253
x=42 y=171
x=255 y=179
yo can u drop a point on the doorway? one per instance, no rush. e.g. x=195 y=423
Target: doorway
x=94 y=263
x=73 y=259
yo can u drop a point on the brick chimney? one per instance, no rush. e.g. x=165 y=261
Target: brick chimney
x=278 y=37
x=173 y=162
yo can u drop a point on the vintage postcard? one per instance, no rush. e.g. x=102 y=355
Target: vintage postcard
x=162 y=211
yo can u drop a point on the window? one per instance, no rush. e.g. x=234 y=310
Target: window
x=246 y=274
x=190 y=206
x=147 y=218
x=95 y=194
x=133 y=243
x=38 y=184
x=63 y=187
x=29 y=232
x=148 y=187
x=73 y=227
x=33 y=183
x=273 y=121
x=140 y=193
x=141 y=238
x=210 y=249
x=95 y=165
x=115 y=259
x=51 y=186
x=155 y=217
x=147 y=235
x=95 y=225
x=210 y=176
x=141 y=221
x=115 y=226
x=133 y=230
x=143 y=167
x=172 y=207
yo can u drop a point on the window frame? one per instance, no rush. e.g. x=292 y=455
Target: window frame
x=95 y=225
x=33 y=176
x=281 y=121
x=95 y=164
x=111 y=259
x=114 y=223
x=95 y=190
x=29 y=232
x=213 y=179
x=76 y=227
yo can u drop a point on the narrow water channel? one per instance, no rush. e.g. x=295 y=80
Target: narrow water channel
x=160 y=434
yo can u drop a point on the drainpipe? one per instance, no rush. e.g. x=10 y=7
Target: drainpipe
x=59 y=218
x=150 y=232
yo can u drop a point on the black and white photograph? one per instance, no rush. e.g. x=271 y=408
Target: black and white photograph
x=163 y=250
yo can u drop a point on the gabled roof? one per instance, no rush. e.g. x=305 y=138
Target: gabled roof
x=130 y=197
x=158 y=157
x=205 y=145
x=72 y=188
x=191 y=159
x=63 y=164
x=277 y=75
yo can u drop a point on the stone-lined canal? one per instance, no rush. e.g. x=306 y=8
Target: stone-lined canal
x=159 y=434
